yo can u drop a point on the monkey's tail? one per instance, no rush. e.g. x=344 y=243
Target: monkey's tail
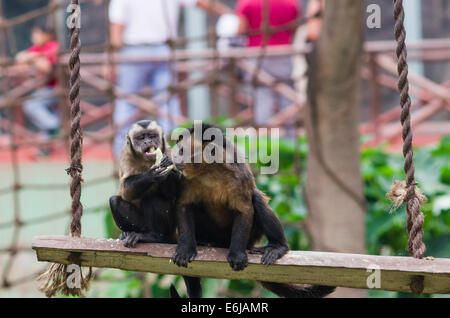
x=297 y=290
x=193 y=286
x=271 y=227
x=173 y=292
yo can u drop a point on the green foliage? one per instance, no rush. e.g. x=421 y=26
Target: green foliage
x=386 y=233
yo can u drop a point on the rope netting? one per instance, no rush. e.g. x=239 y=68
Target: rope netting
x=233 y=74
x=180 y=61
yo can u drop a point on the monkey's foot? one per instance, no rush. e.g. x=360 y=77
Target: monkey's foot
x=270 y=254
x=123 y=235
x=184 y=255
x=130 y=239
x=238 y=261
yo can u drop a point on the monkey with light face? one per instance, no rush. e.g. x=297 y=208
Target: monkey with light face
x=147 y=193
x=144 y=208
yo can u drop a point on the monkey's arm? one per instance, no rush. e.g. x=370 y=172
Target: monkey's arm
x=135 y=186
x=270 y=225
x=131 y=221
x=242 y=225
x=187 y=244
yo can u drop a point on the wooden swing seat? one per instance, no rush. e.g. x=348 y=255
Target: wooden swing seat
x=332 y=269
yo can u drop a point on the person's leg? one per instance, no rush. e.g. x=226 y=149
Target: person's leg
x=264 y=105
x=280 y=67
x=299 y=65
x=161 y=77
x=38 y=110
x=122 y=115
x=264 y=98
x=160 y=81
x=131 y=78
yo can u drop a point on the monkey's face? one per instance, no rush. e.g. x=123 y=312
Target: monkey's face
x=196 y=154
x=145 y=137
x=185 y=154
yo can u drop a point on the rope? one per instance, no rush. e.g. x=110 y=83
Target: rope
x=411 y=195
x=76 y=168
x=56 y=277
x=23 y=138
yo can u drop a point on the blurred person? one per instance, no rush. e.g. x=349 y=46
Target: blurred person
x=141 y=28
x=280 y=12
x=42 y=56
x=307 y=33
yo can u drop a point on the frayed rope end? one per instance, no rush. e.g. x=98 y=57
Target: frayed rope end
x=55 y=280
x=398 y=193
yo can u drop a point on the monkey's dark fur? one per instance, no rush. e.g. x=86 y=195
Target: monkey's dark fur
x=144 y=208
x=221 y=206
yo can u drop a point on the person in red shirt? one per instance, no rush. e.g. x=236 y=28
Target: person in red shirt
x=279 y=13
x=41 y=58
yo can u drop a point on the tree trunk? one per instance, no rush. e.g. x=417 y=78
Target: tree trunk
x=334 y=190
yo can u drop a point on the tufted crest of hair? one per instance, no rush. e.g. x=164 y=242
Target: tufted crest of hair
x=205 y=141
x=218 y=134
x=214 y=134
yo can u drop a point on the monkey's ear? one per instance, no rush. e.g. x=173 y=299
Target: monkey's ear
x=130 y=144
x=163 y=144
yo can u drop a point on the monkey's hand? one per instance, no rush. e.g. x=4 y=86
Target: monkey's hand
x=238 y=261
x=184 y=255
x=158 y=173
x=270 y=253
x=166 y=162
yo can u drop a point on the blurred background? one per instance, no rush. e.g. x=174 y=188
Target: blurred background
x=237 y=64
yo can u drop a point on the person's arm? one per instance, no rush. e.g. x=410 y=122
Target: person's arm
x=116 y=34
x=214 y=6
x=243 y=24
x=119 y=17
x=314 y=25
x=241 y=10
x=116 y=38
x=43 y=65
x=23 y=57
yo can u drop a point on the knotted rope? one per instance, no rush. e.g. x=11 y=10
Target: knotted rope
x=407 y=191
x=76 y=134
x=55 y=279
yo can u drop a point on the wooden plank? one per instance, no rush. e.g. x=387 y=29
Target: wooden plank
x=240 y=53
x=335 y=269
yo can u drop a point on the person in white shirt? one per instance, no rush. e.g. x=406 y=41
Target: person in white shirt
x=139 y=29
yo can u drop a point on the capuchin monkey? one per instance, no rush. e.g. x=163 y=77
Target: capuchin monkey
x=221 y=206
x=144 y=208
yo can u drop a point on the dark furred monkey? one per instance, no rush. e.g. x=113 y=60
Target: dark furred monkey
x=144 y=208
x=221 y=206
x=146 y=197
